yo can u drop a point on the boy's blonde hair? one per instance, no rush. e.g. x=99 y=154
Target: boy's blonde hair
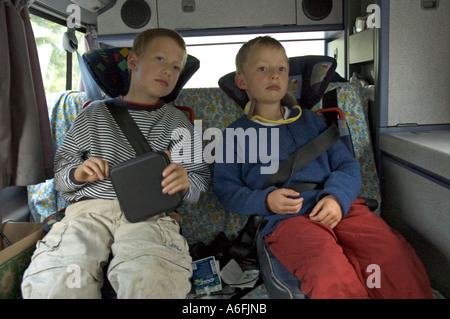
x=241 y=57
x=145 y=37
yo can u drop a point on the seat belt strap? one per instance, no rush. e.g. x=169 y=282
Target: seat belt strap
x=129 y=128
x=303 y=156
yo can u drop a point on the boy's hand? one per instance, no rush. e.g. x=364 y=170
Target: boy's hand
x=279 y=202
x=328 y=211
x=92 y=169
x=175 y=179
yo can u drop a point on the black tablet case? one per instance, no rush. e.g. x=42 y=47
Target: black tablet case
x=137 y=182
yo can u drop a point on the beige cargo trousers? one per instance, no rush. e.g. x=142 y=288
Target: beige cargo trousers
x=150 y=259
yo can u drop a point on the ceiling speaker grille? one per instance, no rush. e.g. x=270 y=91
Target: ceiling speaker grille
x=317 y=9
x=135 y=13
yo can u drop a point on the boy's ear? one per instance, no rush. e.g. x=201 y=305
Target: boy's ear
x=132 y=60
x=240 y=82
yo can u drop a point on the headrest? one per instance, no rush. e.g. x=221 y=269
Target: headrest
x=309 y=77
x=109 y=70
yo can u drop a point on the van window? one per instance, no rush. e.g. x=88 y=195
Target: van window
x=53 y=59
x=217 y=53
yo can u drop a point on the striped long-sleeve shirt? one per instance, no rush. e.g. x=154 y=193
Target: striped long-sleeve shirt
x=95 y=133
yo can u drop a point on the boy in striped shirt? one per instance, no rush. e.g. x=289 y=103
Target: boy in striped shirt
x=150 y=259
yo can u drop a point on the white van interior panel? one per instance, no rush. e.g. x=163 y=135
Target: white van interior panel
x=418 y=72
x=416 y=196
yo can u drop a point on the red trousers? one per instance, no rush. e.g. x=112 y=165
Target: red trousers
x=362 y=257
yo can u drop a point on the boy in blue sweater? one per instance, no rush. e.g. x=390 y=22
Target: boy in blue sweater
x=326 y=237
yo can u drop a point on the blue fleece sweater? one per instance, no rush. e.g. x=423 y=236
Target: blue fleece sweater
x=238 y=178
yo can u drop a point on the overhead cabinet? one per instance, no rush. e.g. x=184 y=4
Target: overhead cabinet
x=186 y=15
x=131 y=17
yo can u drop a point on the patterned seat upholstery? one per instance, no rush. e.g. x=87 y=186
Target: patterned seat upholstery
x=63 y=108
x=353 y=100
x=203 y=221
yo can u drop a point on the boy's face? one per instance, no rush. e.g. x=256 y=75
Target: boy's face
x=155 y=72
x=265 y=75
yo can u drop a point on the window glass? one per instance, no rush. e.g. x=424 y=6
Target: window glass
x=217 y=53
x=53 y=57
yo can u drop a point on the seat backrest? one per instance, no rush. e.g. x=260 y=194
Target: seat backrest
x=203 y=221
x=309 y=77
x=109 y=69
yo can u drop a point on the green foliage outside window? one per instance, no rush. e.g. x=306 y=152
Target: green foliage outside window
x=53 y=57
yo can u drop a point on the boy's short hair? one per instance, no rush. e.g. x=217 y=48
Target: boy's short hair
x=241 y=57
x=142 y=40
x=145 y=37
